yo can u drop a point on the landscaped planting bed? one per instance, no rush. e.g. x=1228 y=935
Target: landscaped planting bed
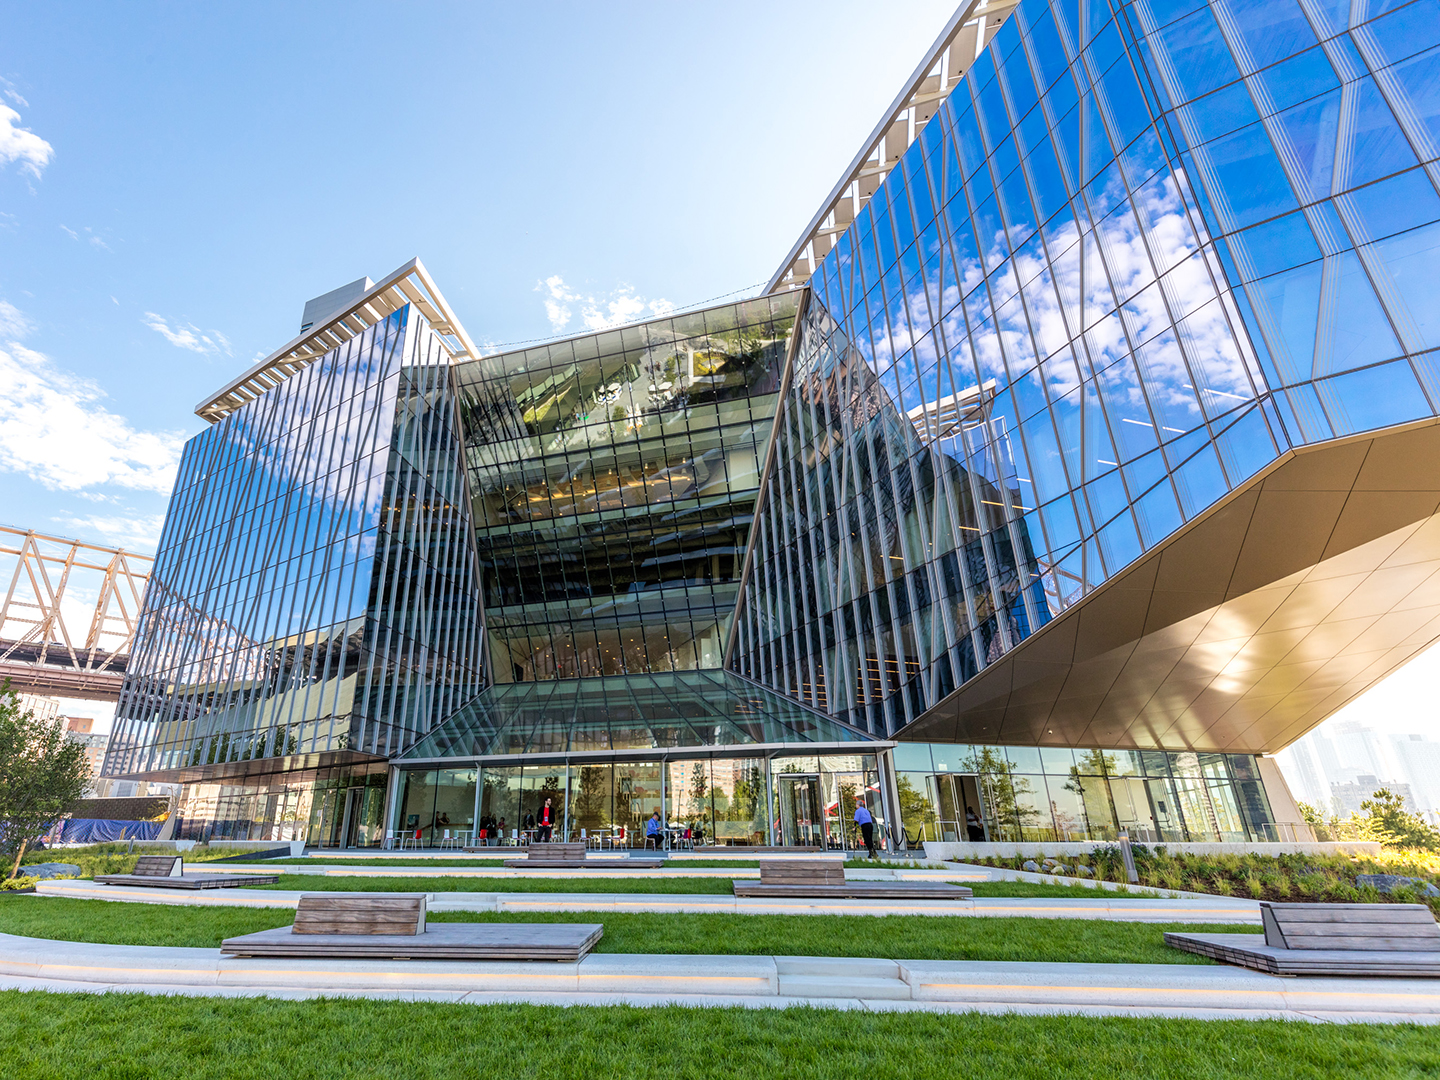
x=1309 y=878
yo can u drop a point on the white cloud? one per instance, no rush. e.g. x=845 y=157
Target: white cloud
x=187 y=335
x=12 y=93
x=596 y=313
x=54 y=430
x=22 y=144
x=134 y=532
x=95 y=241
x=13 y=324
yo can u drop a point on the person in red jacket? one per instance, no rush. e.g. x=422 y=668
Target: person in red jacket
x=547 y=825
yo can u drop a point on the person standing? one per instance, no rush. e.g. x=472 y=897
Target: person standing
x=973 y=826
x=547 y=826
x=867 y=826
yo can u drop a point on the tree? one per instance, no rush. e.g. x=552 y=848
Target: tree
x=915 y=807
x=1394 y=826
x=700 y=791
x=41 y=774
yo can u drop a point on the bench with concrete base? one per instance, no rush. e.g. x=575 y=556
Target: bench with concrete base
x=392 y=926
x=825 y=877
x=167 y=872
x=572 y=857
x=1329 y=939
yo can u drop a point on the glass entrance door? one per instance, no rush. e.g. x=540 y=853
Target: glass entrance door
x=802 y=816
x=364 y=817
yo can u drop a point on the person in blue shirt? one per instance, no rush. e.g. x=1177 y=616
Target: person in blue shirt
x=654 y=830
x=867 y=826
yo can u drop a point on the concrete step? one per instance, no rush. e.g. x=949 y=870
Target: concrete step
x=827 y=986
x=837 y=967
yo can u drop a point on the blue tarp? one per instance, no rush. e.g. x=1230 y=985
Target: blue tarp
x=100 y=831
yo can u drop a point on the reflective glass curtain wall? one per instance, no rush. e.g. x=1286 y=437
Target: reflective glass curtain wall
x=1138 y=253
x=614 y=479
x=315 y=585
x=1027 y=793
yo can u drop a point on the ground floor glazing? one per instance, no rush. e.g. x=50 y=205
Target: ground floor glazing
x=791 y=800
x=915 y=792
x=951 y=792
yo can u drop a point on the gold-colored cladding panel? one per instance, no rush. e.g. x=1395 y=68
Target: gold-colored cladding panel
x=1244 y=630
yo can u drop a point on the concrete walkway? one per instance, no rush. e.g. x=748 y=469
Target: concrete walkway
x=753 y=981
x=1212 y=909
x=675 y=867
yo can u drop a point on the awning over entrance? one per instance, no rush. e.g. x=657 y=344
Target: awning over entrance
x=675 y=710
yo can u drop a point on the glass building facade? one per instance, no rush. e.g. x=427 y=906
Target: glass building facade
x=1140 y=259
x=1043 y=794
x=1138 y=253
x=615 y=478
x=315 y=592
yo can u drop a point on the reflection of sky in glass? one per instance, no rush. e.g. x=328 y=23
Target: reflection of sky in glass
x=1112 y=320
x=303 y=567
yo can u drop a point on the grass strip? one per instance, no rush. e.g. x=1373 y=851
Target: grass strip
x=64 y=1036
x=597 y=881
x=591 y=883
x=908 y=937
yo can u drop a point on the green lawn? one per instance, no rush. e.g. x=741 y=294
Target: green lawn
x=913 y=937
x=414 y=864
x=119 y=1036
x=616 y=883
x=619 y=882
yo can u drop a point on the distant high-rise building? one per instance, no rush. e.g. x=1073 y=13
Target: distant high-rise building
x=1346 y=798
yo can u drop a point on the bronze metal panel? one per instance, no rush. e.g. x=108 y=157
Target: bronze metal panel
x=1336 y=469
x=1286 y=535
x=1118 y=619
x=1400 y=461
x=1240 y=614
x=1311 y=601
x=1420 y=546
x=1371 y=514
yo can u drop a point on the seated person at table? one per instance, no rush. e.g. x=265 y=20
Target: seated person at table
x=654 y=830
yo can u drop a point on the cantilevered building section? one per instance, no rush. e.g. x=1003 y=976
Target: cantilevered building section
x=1081 y=454
x=1194 y=249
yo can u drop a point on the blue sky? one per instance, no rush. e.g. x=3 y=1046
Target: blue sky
x=176 y=180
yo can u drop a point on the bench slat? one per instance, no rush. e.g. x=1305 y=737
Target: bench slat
x=157 y=866
x=1350 y=927
x=392 y=914
x=1364 y=944
x=1401 y=915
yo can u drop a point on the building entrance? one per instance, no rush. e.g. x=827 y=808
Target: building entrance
x=957 y=794
x=801 y=817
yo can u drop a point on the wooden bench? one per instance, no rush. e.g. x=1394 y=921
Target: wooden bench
x=363 y=913
x=1329 y=939
x=392 y=926
x=825 y=877
x=572 y=857
x=168 y=872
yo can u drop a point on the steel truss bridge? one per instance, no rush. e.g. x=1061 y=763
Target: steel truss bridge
x=69 y=613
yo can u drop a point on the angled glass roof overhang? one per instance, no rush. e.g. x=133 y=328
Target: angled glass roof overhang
x=669 y=714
